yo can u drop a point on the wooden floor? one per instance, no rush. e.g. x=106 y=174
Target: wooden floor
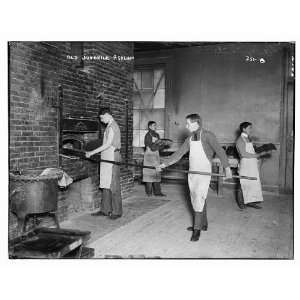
x=160 y=232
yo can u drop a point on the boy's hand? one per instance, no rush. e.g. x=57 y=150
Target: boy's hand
x=88 y=154
x=160 y=167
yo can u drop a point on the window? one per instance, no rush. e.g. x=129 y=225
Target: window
x=148 y=102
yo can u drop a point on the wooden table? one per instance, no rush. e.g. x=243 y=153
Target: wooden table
x=49 y=243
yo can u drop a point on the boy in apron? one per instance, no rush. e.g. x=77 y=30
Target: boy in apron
x=202 y=145
x=152 y=178
x=111 y=204
x=251 y=189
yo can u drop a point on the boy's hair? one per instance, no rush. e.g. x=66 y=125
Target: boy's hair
x=194 y=118
x=150 y=123
x=244 y=125
x=103 y=111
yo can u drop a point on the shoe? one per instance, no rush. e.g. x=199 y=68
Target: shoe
x=160 y=195
x=196 y=235
x=99 y=214
x=241 y=205
x=254 y=205
x=114 y=217
x=204 y=228
x=240 y=199
x=191 y=228
x=149 y=195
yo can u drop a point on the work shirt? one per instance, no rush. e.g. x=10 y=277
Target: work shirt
x=148 y=141
x=113 y=135
x=210 y=146
x=241 y=147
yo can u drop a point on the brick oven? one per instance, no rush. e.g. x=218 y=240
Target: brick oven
x=75 y=133
x=41 y=78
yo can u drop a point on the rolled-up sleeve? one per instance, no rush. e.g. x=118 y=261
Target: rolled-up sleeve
x=176 y=156
x=241 y=147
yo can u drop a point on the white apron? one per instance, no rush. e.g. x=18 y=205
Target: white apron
x=152 y=159
x=249 y=167
x=198 y=184
x=106 y=168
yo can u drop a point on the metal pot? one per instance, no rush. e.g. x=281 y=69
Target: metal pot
x=31 y=193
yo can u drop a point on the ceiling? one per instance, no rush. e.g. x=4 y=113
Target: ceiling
x=154 y=46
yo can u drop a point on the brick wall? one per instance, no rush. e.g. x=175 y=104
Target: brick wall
x=36 y=70
x=33 y=135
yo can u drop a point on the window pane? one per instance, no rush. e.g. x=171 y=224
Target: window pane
x=147 y=97
x=137 y=77
x=136 y=100
x=136 y=119
x=157 y=115
x=147 y=79
x=136 y=138
x=157 y=75
x=159 y=99
x=145 y=117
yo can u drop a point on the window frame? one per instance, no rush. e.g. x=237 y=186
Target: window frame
x=136 y=89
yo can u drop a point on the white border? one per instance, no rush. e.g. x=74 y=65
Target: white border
x=136 y=20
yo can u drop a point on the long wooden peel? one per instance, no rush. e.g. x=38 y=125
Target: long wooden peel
x=97 y=158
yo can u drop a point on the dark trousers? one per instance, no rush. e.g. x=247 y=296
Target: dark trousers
x=200 y=218
x=111 y=203
x=153 y=186
x=239 y=197
x=111 y=198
